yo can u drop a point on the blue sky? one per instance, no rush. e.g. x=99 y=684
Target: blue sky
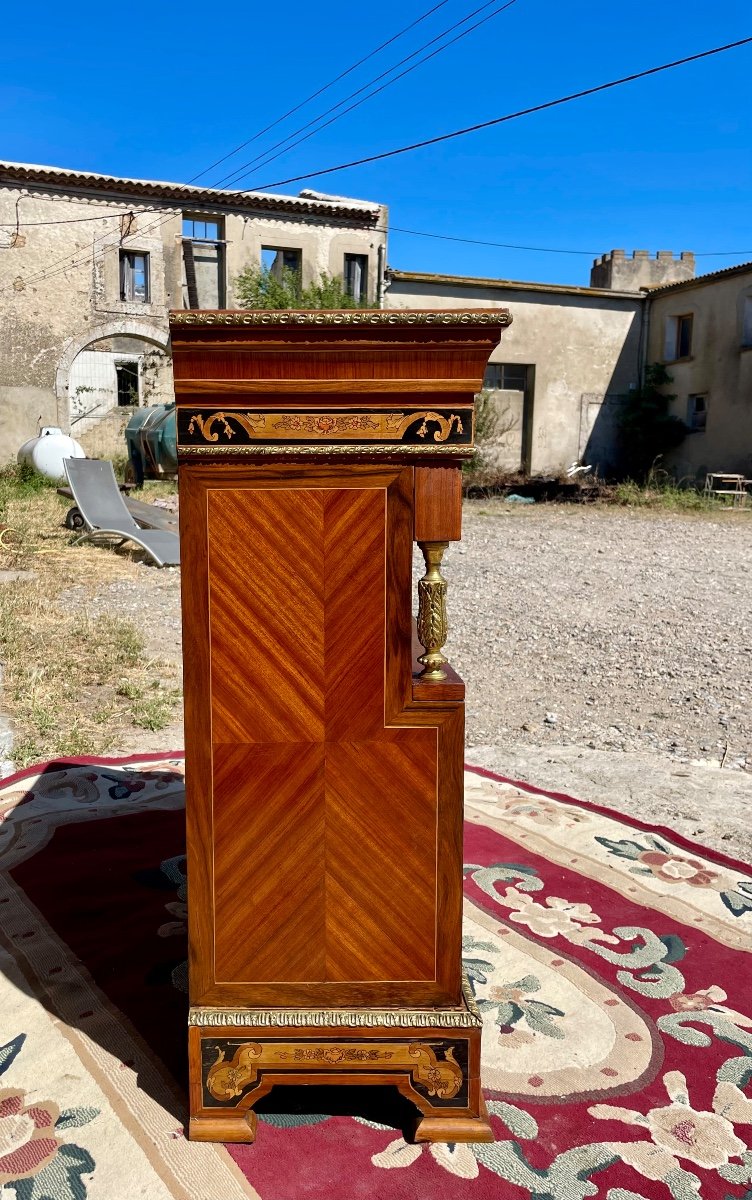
x=162 y=91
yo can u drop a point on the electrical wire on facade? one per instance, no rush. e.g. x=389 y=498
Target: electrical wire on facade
x=444 y=237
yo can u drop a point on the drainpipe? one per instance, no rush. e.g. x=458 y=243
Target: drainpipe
x=644 y=338
x=383 y=227
x=380 y=257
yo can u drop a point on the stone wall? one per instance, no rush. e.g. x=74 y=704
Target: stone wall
x=60 y=283
x=629 y=273
x=106 y=438
x=573 y=340
x=60 y=292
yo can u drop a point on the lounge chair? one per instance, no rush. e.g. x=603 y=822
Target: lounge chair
x=97 y=496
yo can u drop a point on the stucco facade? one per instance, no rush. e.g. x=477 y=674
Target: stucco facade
x=702 y=332
x=580 y=348
x=90 y=266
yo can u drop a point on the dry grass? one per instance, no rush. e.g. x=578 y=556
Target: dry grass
x=661 y=492
x=72 y=683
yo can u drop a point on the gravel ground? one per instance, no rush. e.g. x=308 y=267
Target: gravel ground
x=607 y=653
x=612 y=629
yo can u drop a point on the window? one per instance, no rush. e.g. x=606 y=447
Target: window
x=134 y=276
x=128 y=393
x=697 y=413
x=203 y=261
x=678 y=342
x=276 y=259
x=747 y=321
x=506 y=376
x=202 y=229
x=356 y=277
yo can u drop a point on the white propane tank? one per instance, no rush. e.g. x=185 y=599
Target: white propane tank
x=46 y=452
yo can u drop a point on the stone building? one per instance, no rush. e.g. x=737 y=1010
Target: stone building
x=91 y=264
x=572 y=354
x=561 y=369
x=701 y=330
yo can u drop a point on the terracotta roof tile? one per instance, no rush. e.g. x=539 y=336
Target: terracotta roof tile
x=360 y=211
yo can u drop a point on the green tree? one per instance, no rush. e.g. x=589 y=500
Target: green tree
x=258 y=287
x=648 y=429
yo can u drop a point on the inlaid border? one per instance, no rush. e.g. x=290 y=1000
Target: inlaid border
x=233 y=1069
x=296 y=430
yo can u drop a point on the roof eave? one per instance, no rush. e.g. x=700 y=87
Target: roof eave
x=508 y=285
x=183 y=194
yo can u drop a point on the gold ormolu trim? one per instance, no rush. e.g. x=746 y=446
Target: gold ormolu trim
x=331 y=449
x=371 y=425
x=350 y=317
x=433 y=626
x=468 y=1017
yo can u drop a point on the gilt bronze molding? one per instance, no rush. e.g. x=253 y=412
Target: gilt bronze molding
x=468 y=1017
x=433 y=625
x=350 y=317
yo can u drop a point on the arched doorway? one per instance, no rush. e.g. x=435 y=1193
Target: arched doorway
x=107 y=373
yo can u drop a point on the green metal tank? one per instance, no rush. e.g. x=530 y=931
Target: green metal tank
x=151 y=438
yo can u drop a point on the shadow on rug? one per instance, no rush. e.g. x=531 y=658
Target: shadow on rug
x=610 y=960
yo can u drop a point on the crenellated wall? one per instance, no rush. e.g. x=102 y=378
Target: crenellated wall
x=624 y=272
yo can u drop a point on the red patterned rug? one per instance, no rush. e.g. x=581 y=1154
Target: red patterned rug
x=611 y=961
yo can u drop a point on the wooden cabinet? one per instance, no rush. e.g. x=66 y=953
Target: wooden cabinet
x=323 y=762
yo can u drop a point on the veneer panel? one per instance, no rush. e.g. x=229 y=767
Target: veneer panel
x=269 y=863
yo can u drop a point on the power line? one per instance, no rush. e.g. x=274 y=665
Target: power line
x=444 y=237
x=267 y=156
x=68 y=262
x=720 y=253
x=440 y=138
x=524 y=112
x=314 y=95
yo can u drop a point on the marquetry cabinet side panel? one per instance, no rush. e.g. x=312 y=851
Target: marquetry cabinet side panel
x=350 y=876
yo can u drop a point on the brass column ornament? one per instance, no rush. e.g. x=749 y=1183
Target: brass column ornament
x=432 y=614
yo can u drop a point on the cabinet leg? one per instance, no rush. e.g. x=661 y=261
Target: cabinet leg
x=433 y=1128
x=224 y=1127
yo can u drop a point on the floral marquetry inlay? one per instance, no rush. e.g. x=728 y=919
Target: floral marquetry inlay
x=416 y=427
x=433 y=1067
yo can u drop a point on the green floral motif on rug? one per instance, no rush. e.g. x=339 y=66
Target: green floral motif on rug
x=610 y=961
